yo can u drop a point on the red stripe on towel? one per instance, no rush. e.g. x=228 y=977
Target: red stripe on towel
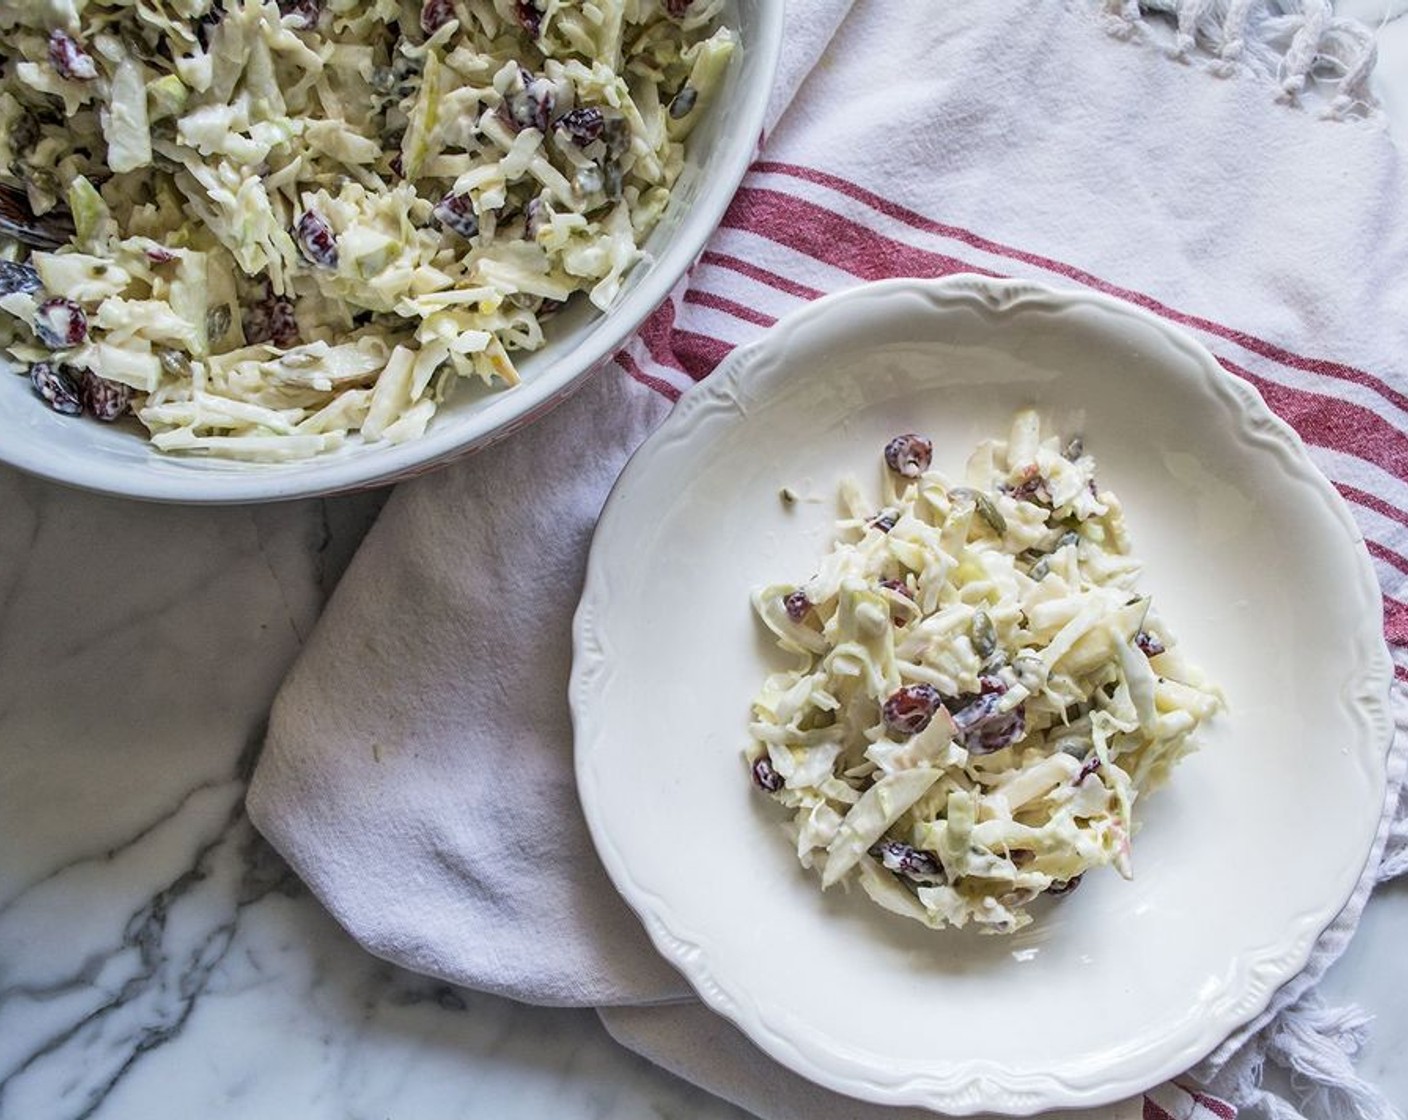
x=1269 y=350
x=835 y=240
x=1395 y=622
x=1153 y=1111
x=1219 y=1108
x=1373 y=502
x=700 y=353
x=839 y=242
x=1387 y=555
x=728 y=307
x=762 y=275
x=657 y=332
x=632 y=368
x=1334 y=423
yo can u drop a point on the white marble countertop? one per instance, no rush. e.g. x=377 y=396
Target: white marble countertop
x=158 y=960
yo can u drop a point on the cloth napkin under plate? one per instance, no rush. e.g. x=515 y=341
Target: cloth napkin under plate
x=417 y=772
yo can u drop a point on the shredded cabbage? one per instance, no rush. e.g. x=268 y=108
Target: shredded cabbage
x=981 y=694
x=295 y=221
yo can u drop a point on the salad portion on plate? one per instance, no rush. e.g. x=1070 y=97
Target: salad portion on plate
x=283 y=223
x=982 y=693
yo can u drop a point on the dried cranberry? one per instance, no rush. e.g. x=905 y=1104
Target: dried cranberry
x=997 y=733
x=1032 y=489
x=18 y=278
x=60 y=324
x=797 y=605
x=107 y=400
x=906 y=859
x=283 y=324
x=456 y=213
x=1148 y=643
x=56 y=386
x=980 y=726
x=765 y=776
x=682 y=104
x=69 y=59
x=909 y=455
x=316 y=239
x=970 y=711
x=304 y=12
x=910 y=708
x=271 y=320
x=1064 y=886
x=435 y=14
x=583 y=125
x=529 y=18
x=533 y=106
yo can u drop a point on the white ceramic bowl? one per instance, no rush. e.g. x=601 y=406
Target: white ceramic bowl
x=1254 y=563
x=118 y=460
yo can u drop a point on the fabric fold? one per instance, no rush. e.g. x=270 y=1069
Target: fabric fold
x=419 y=774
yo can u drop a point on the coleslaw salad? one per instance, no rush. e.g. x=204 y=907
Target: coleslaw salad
x=299 y=221
x=981 y=694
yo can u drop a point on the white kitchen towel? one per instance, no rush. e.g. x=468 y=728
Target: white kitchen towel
x=417 y=772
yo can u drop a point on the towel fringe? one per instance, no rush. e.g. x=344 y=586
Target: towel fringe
x=1122 y=18
x=1298 y=44
x=1190 y=14
x=1315 y=1047
x=1234 y=33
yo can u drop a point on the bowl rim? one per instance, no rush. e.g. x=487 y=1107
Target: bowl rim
x=202 y=481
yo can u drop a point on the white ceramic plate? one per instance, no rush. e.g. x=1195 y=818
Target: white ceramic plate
x=1253 y=561
x=117 y=459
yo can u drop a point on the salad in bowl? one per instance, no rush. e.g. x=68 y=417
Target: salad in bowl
x=268 y=230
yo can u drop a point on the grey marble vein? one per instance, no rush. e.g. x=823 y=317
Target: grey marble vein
x=157 y=958
x=167 y=979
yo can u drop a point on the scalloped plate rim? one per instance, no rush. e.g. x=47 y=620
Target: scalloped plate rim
x=971 y=1086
